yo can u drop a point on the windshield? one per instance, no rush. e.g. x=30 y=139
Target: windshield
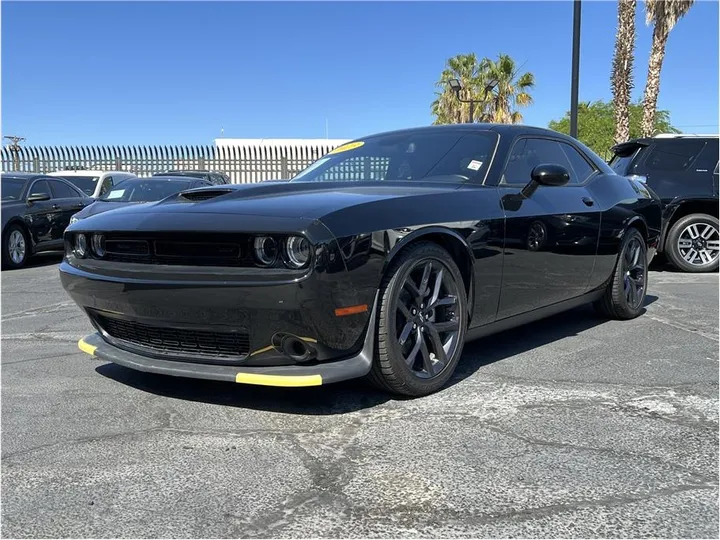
x=144 y=190
x=450 y=156
x=12 y=188
x=85 y=183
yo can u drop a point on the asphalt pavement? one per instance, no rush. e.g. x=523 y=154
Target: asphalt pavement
x=569 y=427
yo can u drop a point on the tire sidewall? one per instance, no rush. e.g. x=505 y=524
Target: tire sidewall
x=622 y=300
x=673 y=252
x=414 y=383
x=6 y=260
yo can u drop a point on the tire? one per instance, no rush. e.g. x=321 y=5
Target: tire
x=15 y=247
x=397 y=339
x=624 y=295
x=694 y=254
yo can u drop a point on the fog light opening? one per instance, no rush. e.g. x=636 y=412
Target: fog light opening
x=296 y=349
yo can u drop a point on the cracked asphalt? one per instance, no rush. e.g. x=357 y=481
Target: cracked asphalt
x=569 y=427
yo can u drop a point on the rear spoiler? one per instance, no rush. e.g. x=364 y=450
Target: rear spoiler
x=629 y=147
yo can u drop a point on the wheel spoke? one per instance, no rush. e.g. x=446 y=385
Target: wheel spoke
x=410 y=358
x=446 y=326
x=692 y=231
x=705 y=256
x=690 y=256
x=713 y=245
x=404 y=310
x=707 y=232
x=425 y=279
x=684 y=243
x=427 y=361
x=447 y=301
x=405 y=333
x=437 y=344
x=436 y=290
x=412 y=289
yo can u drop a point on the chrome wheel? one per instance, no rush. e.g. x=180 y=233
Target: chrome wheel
x=699 y=244
x=634 y=270
x=427 y=321
x=16 y=247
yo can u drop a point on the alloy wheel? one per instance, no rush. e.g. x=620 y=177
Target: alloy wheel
x=16 y=247
x=634 y=273
x=699 y=244
x=427 y=318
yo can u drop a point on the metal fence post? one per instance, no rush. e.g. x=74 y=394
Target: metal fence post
x=118 y=163
x=284 y=167
x=201 y=163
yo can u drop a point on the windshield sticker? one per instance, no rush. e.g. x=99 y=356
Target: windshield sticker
x=115 y=194
x=475 y=165
x=346 y=147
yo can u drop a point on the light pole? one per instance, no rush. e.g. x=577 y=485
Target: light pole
x=575 y=77
x=15 y=150
x=455 y=85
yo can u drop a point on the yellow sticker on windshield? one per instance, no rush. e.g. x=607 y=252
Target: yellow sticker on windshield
x=346 y=147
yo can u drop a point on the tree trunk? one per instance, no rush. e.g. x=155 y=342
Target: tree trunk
x=622 y=79
x=652 y=86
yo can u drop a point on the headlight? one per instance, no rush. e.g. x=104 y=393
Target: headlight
x=266 y=250
x=73 y=219
x=80 y=245
x=297 y=252
x=98 y=244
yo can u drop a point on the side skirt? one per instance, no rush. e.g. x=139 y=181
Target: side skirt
x=531 y=316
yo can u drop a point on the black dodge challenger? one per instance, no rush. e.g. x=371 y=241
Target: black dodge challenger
x=381 y=259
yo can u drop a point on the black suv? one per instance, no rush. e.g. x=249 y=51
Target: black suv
x=214 y=177
x=683 y=171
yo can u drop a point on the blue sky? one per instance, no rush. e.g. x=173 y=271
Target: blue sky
x=178 y=72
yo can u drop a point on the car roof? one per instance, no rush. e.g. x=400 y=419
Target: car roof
x=86 y=172
x=632 y=144
x=504 y=130
x=161 y=178
x=20 y=174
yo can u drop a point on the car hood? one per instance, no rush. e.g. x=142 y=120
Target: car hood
x=98 y=207
x=306 y=200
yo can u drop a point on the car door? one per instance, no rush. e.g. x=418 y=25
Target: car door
x=40 y=215
x=550 y=237
x=67 y=201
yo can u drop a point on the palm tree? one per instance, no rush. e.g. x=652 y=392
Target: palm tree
x=622 y=69
x=664 y=14
x=510 y=92
x=494 y=86
x=447 y=108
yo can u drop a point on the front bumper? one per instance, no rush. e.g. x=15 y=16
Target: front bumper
x=352 y=367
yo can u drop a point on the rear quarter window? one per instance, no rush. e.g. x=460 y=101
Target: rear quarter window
x=673 y=157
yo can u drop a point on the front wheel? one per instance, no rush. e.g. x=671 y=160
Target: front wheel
x=15 y=248
x=693 y=243
x=422 y=322
x=624 y=295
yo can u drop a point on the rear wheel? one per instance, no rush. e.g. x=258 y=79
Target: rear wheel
x=15 y=248
x=693 y=243
x=422 y=321
x=624 y=295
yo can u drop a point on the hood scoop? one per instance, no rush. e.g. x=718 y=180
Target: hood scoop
x=203 y=195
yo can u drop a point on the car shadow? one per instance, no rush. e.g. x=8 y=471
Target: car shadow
x=355 y=395
x=44 y=258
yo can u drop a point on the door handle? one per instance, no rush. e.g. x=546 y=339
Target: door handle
x=56 y=206
x=588 y=201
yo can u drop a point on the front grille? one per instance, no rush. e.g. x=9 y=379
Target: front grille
x=176 y=342
x=183 y=249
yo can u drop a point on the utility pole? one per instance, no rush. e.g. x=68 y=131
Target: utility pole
x=575 y=77
x=15 y=149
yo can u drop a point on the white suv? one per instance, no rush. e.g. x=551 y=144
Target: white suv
x=93 y=183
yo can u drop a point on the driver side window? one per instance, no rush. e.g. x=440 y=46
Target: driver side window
x=106 y=185
x=526 y=154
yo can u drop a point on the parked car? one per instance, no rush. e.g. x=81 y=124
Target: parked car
x=93 y=183
x=138 y=190
x=683 y=171
x=380 y=259
x=214 y=177
x=35 y=211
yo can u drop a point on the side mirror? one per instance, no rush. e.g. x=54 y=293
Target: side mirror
x=37 y=197
x=546 y=174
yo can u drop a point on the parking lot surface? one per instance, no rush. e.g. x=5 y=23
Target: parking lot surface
x=572 y=426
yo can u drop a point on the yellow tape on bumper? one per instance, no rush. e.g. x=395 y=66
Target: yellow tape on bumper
x=86 y=347
x=278 y=380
